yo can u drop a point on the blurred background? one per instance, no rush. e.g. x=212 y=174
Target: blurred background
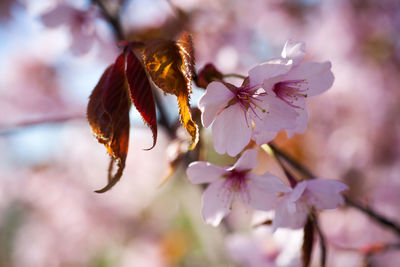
x=54 y=51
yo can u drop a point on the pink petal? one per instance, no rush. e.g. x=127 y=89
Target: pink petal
x=301 y=123
x=231 y=131
x=325 y=194
x=262 y=137
x=216 y=203
x=283 y=218
x=326 y=186
x=213 y=101
x=318 y=76
x=81 y=42
x=263 y=191
x=269 y=183
x=247 y=161
x=267 y=70
x=278 y=115
x=294 y=50
x=259 y=199
x=201 y=172
x=298 y=191
x=61 y=14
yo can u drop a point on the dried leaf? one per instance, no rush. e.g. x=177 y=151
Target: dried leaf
x=141 y=93
x=171 y=67
x=308 y=242
x=108 y=115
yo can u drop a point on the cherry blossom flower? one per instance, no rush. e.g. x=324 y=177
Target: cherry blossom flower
x=233 y=111
x=79 y=22
x=292 y=81
x=294 y=206
x=228 y=184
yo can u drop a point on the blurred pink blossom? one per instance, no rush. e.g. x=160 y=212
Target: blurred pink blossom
x=262 y=247
x=79 y=22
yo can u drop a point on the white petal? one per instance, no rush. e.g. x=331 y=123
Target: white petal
x=247 y=161
x=318 y=76
x=231 y=131
x=278 y=115
x=267 y=70
x=201 y=172
x=294 y=50
x=216 y=203
x=213 y=101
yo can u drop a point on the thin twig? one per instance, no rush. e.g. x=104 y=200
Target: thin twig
x=322 y=242
x=290 y=177
x=377 y=217
x=297 y=165
x=114 y=21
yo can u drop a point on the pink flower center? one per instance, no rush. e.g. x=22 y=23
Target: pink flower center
x=236 y=183
x=290 y=91
x=246 y=96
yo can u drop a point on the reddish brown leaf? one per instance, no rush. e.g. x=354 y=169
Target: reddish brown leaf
x=108 y=115
x=308 y=242
x=186 y=51
x=141 y=93
x=171 y=66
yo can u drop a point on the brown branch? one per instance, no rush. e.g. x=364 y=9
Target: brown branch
x=373 y=214
x=114 y=21
x=293 y=162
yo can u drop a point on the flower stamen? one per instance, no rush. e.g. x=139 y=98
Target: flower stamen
x=290 y=91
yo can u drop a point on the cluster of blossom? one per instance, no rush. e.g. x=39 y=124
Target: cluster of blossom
x=271 y=98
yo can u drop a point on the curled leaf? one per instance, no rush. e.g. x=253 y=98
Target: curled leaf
x=141 y=93
x=108 y=115
x=171 y=67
